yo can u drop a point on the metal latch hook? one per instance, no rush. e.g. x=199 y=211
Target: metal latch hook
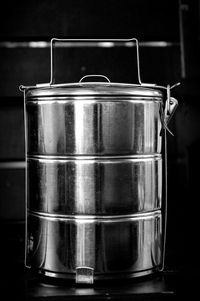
x=170 y=107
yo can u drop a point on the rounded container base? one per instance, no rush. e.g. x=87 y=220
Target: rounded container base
x=52 y=276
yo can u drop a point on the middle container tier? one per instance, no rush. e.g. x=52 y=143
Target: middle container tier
x=94 y=186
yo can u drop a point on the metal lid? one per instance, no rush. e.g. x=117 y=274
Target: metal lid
x=92 y=89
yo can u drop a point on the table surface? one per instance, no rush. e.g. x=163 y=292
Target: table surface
x=19 y=282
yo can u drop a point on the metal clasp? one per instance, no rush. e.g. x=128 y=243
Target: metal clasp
x=84 y=275
x=170 y=107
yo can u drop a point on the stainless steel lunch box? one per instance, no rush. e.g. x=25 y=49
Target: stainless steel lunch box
x=95 y=179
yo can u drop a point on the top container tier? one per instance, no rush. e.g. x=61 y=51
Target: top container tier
x=90 y=119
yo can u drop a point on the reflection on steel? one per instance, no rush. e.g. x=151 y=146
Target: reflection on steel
x=46 y=44
x=94 y=179
x=94 y=186
x=121 y=248
x=84 y=126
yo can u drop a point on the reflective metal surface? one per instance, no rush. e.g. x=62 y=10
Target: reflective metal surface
x=94 y=180
x=110 y=247
x=94 y=89
x=107 y=186
x=94 y=126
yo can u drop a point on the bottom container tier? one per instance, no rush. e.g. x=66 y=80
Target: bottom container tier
x=87 y=248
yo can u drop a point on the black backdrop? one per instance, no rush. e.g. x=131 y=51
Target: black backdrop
x=176 y=23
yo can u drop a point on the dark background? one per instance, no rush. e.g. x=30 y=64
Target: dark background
x=176 y=23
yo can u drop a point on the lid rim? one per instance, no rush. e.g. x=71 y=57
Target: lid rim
x=101 y=89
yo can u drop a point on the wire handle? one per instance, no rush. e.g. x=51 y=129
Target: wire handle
x=53 y=40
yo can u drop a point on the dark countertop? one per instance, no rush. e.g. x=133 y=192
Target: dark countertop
x=17 y=281
x=28 y=286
